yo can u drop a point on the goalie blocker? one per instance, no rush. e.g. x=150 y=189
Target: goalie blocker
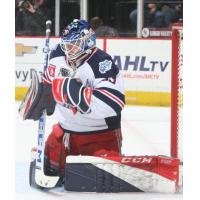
x=121 y=174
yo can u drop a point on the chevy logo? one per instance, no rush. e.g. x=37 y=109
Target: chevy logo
x=21 y=49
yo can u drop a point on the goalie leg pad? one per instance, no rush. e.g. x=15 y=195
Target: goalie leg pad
x=122 y=174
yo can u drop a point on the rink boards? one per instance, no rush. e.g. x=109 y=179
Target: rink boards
x=145 y=65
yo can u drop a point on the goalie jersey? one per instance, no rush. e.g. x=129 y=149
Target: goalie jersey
x=107 y=101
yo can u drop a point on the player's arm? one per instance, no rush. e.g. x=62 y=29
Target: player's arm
x=108 y=98
x=39 y=96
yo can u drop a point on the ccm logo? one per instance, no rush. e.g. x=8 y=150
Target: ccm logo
x=136 y=160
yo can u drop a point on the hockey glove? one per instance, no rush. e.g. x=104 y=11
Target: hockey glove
x=38 y=98
x=71 y=93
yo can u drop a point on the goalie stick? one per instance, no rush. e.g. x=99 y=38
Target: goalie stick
x=37 y=178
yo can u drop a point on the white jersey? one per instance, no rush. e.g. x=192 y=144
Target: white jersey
x=100 y=73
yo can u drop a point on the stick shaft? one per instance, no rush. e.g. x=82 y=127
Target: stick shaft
x=40 y=178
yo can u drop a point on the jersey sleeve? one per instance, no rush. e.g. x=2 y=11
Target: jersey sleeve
x=108 y=98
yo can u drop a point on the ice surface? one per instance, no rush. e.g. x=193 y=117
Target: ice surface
x=146 y=131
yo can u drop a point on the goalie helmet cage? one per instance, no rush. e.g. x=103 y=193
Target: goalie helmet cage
x=177 y=91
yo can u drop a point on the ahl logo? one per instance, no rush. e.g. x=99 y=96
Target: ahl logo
x=105 y=66
x=21 y=49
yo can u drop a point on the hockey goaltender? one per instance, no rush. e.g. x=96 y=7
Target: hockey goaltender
x=84 y=89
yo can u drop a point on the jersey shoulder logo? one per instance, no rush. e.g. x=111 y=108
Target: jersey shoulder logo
x=105 y=66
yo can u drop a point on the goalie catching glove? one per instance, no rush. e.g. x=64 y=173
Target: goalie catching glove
x=71 y=93
x=38 y=98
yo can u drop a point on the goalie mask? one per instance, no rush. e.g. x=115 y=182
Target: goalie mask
x=77 y=41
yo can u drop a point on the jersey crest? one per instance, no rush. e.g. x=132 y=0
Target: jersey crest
x=105 y=66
